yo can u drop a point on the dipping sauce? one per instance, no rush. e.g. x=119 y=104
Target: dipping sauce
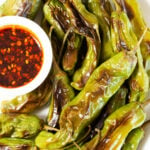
x=21 y=56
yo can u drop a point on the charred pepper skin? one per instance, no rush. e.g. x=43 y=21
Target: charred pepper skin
x=19 y=125
x=85 y=24
x=62 y=93
x=25 y=8
x=104 y=19
x=51 y=8
x=16 y=144
x=87 y=105
x=118 y=125
x=133 y=139
x=70 y=57
x=58 y=17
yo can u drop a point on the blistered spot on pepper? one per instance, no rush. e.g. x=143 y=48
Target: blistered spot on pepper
x=62 y=18
x=114 y=126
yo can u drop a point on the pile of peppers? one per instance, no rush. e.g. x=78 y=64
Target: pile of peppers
x=98 y=87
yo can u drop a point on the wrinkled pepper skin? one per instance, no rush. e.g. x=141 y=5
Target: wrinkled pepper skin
x=16 y=144
x=87 y=105
x=25 y=8
x=58 y=17
x=30 y=101
x=55 y=14
x=86 y=24
x=70 y=57
x=19 y=125
x=62 y=93
x=119 y=124
x=97 y=7
x=117 y=101
x=133 y=139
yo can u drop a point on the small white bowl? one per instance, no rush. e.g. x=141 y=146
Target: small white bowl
x=8 y=93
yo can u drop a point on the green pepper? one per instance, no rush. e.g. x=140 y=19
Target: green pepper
x=118 y=125
x=62 y=93
x=26 y=8
x=56 y=15
x=19 y=125
x=87 y=105
x=97 y=7
x=71 y=53
x=30 y=101
x=133 y=139
x=86 y=24
x=16 y=144
x=117 y=101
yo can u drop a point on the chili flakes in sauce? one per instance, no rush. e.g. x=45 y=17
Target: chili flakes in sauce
x=21 y=56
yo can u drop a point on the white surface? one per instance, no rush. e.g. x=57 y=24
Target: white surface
x=47 y=56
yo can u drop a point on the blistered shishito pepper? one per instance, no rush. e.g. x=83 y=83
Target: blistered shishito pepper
x=87 y=105
x=19 y=125
x=97 y=7
x=30 y=101
x=133 y=139
x=71 y=53
x=62 y=92
x=85 y=24
x=117 y=101
x=119 y=124
x=26 y=8
x=136 y=18
x=57 y=16
x=16 y=144
x=139 y=82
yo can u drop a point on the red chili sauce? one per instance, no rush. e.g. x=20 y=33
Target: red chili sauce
x=21 y=56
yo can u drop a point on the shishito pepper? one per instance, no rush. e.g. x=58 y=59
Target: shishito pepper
x=123 y=38
x=70 y=58
x=118 y=125
x=19 y=125
x=62 y=92
x=133 y=139
x=117 y=101
x=87 y=105
x=86 y=24
x=26 y=8
x=57 y=16
x=97 y=7
x=16 y=144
